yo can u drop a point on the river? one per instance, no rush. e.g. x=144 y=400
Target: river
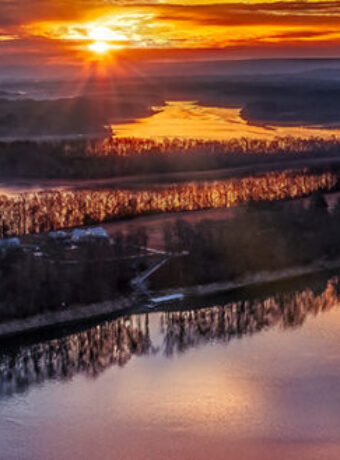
x=188 y=119
x=252 y=376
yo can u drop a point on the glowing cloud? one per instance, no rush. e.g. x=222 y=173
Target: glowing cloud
x=101 y=26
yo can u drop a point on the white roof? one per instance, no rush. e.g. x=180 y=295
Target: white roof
x=167 y=298
x=11 y=242
x=80 y=234
x=59 y=234
x=98 y=232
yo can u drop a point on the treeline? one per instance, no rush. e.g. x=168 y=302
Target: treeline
x=58 y=275
x=260 y=237
x=44 y=211
x=112 y=157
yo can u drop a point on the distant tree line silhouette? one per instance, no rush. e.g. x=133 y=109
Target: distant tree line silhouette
x=112 y=156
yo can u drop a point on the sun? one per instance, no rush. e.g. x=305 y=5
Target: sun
x=104 y=39
x=99 y=47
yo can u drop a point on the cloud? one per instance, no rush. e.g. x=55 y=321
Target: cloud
x=168 y=24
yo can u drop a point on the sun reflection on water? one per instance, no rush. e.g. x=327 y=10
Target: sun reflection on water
x=188 y=119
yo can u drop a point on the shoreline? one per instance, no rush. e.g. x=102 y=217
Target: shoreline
x=260 y=278
x=128 y=304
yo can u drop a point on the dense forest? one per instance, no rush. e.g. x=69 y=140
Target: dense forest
x=260 y=237
x=58 y=274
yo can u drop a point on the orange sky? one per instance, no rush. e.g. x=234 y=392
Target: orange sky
x=69 y=31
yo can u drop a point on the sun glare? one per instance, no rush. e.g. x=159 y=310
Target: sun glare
x=104 y=34
x=99 y=47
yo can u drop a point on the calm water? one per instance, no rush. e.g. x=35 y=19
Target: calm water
x=256 y=378
x=188 y=119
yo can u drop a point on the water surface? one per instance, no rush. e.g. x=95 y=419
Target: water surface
x=190 y=120
x=255 y=378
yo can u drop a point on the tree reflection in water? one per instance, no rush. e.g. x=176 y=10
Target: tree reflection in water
x=89 y=352
x=115 y=342
x=187 y=329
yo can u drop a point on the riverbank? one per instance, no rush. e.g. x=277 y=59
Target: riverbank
x=67 y=317
x=128 y=305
